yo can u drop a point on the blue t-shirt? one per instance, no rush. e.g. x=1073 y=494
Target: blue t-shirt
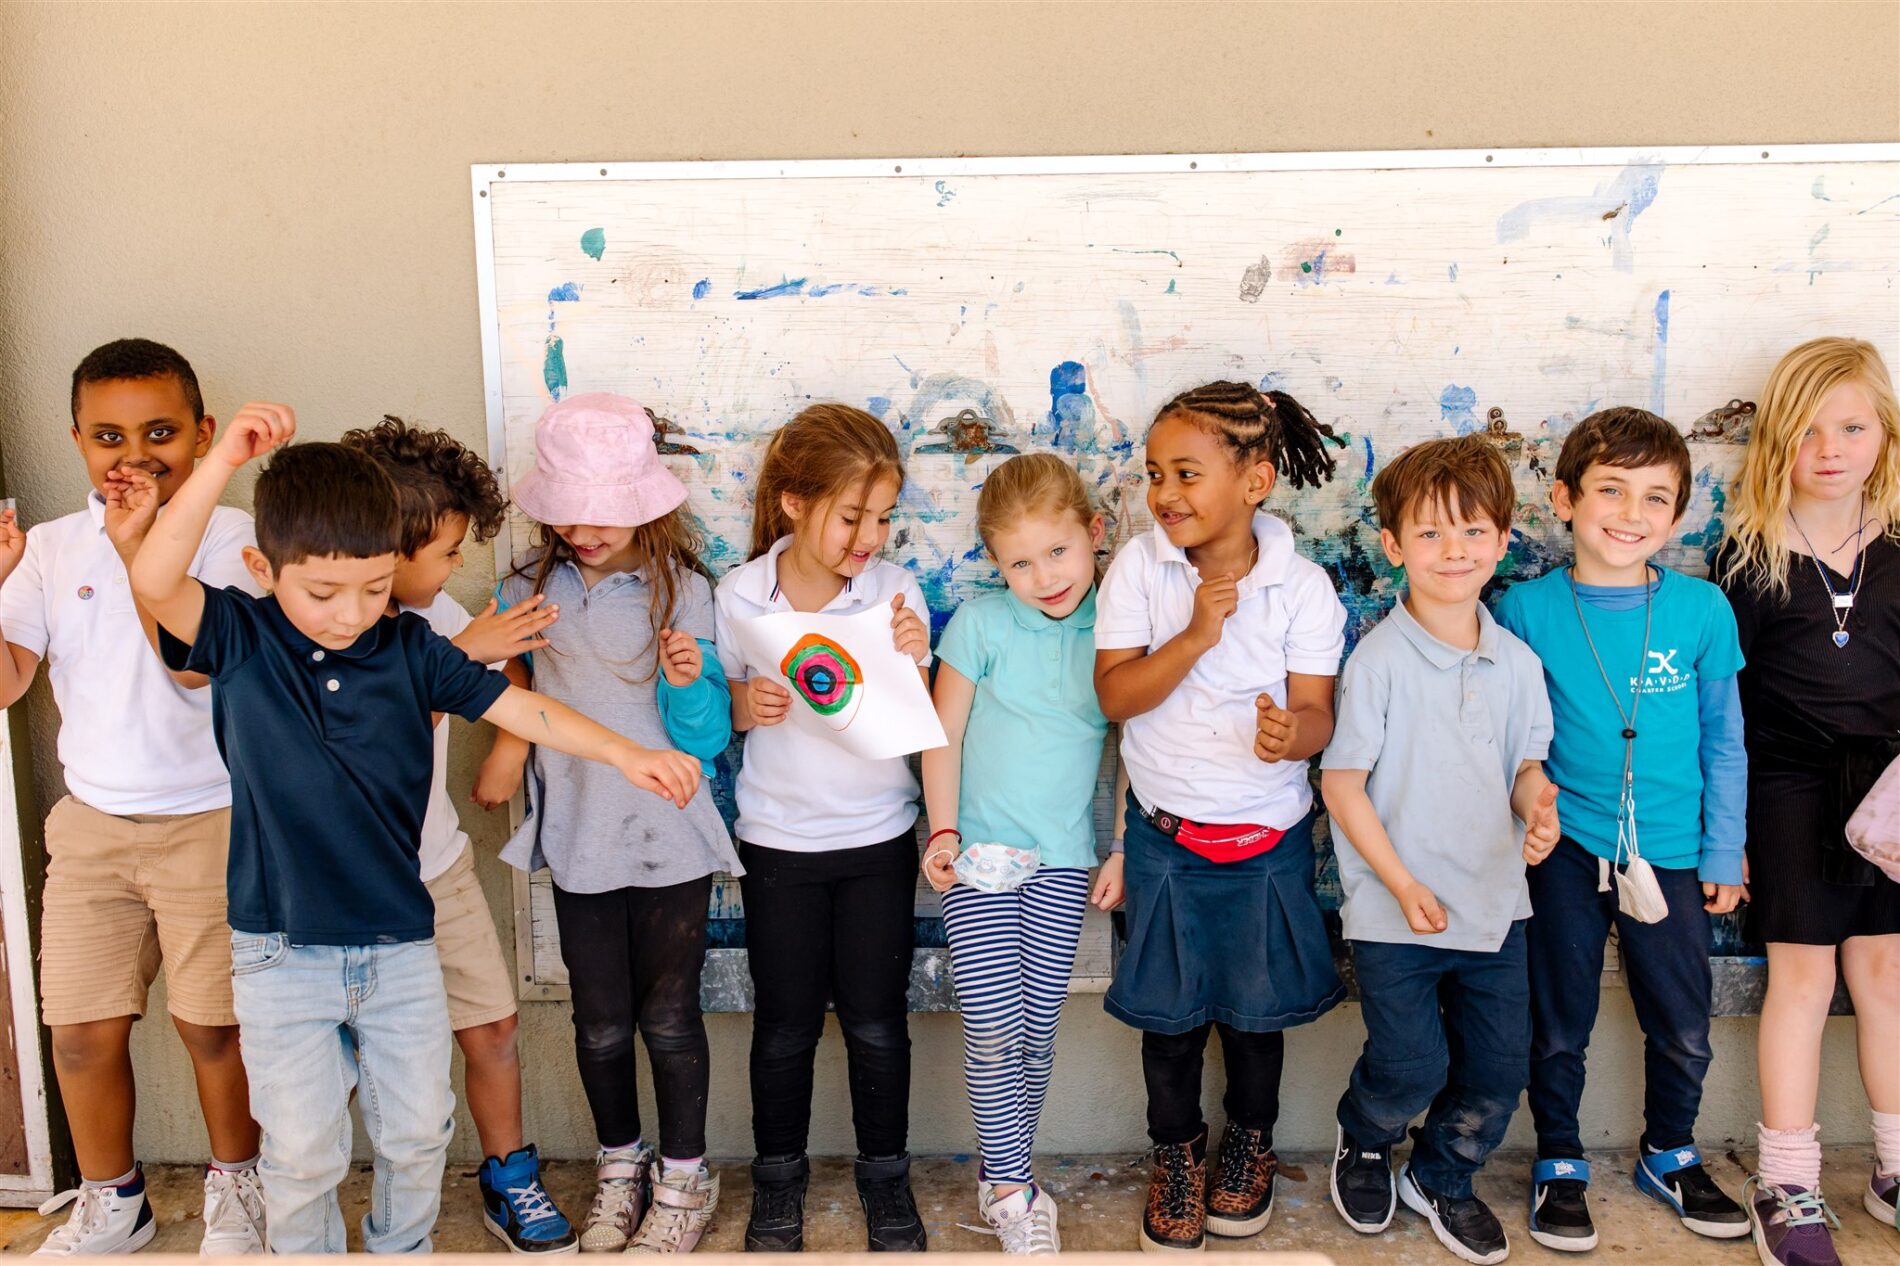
x=331 y=755
x=1692 y=639
x=1033 y=744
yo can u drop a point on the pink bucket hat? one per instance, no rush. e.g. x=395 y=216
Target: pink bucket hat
x=594 y=463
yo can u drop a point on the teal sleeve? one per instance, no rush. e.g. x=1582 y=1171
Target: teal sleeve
x=698 y=718
x=1724 y=761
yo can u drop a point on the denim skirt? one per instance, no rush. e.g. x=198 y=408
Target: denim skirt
x=1241 y=942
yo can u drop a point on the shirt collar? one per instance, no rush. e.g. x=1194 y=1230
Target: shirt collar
x=365 y=645
x=762 y=587
x=1444 y=654
x=1027 y=617
x=1273 y=536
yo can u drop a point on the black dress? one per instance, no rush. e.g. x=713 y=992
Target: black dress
x=1822 y=722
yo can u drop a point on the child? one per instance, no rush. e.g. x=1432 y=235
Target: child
x=828 y=839
x=1016 y=692
x=1812 y=570
x=322 y=707
x=443 y=491
x=632 y=878
x=1443 y=719
x=1640 y=662
x=135 y=855
x=1216 y=647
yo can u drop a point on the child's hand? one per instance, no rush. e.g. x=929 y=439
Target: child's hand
x=1277 y=730
x=680 y=657
x=1721 y=898
x=1110 y=890
x=908 y=631
x=940 y=864
x=256 y=430
x=495 y=635
x=131 y=508
x=1542 y=832
x=1215 y=600
x=1423 y=914
x=12 y=543
x=668 y=774
x=499 y=778
x=766 y=700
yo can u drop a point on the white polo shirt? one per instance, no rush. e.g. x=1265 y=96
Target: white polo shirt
x=442 y=836
x=1193 y=755
x=796 y=791
x=132 y=739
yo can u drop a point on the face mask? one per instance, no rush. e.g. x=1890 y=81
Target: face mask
x=996 y=867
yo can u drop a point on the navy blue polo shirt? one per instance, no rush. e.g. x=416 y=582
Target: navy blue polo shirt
x=330 y=754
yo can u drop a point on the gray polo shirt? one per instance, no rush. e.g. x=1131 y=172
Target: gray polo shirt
x=1443 y=731
x=588 y=824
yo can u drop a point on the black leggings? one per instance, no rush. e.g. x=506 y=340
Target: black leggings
x=633 y=959
x=837 y=925
x=1171 y=1065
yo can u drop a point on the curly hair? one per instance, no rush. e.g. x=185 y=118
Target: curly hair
x=1260 y=425
x=435 y=475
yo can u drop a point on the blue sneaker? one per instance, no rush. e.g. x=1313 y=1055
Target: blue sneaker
x=1560 y=1205
x=1676 y=1178
x=516 y=1207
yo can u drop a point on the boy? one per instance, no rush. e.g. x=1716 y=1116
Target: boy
x=322 y=706
x=1443 y=720
x=443 y=492
x=1641 y=665
x=136 y=852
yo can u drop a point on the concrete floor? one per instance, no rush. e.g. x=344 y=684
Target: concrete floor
x=1101 y=1200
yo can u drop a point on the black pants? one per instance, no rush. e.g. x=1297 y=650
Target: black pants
x=835 y=925
x=634 y=957
x=1171 y=1065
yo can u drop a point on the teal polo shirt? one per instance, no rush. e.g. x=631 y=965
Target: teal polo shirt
x=1033 y=745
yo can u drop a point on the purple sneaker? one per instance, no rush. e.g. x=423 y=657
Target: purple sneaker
x=1882 y=1199
x=1790 y=1225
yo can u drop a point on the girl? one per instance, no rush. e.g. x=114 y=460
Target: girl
x=1016 y=693
x=1216 y=647
x=632 y=880
x=1812 y=568
x=828 y=839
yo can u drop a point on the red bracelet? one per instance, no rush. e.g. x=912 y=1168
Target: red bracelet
x=948 y=830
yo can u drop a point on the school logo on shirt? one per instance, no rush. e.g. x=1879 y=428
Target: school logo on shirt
x=1661 y=675
x=85 y=592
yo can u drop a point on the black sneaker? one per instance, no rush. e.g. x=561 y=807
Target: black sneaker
x=1363 y=1191
x=1467 y=1227
x=1560 y=1205
x=777 y=1223
x=891 y=1224
x=1676 y=1178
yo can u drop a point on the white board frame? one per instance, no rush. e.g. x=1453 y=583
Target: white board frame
x=37 y=1183
x=482 y=176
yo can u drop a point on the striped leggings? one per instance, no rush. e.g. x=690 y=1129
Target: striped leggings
x=1012 y=953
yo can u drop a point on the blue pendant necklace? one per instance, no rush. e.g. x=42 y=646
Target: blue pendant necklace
x=1843 y=603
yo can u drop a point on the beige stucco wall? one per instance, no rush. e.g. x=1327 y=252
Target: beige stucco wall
x=281 y=191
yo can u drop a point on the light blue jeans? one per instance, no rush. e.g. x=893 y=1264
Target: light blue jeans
x=316 y=1022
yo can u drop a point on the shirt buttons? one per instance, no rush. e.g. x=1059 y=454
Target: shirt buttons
x=317 y=656
x=333 y=685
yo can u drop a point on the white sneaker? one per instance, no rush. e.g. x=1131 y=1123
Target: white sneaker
x=620 y=1199
x=1024 y=1221
x=103 y=1221
x=234 y=1214
x=682 y=1209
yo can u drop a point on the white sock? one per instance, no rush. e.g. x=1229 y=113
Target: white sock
x=237 y=1168
x=1887 y=1143
x=1790 y=1158
x=669 y=1166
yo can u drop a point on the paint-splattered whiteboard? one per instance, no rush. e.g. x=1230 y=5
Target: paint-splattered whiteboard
x=986 y=307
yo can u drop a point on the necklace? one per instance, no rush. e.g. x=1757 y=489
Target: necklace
x=1842 y=603
x=1626 y=800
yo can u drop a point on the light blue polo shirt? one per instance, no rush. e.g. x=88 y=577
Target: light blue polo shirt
x=1033 y=743
x=1443 y=731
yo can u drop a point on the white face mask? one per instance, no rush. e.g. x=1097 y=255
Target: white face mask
x=996 y=867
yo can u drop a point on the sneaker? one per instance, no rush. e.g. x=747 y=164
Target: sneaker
x=1882 y=1199
x=104 y=1220
x=234 y=1213
x=777 y=1223
x=1241 y=1199
x=516 y=1208
x=1467 y=1227
x=1176 y=1217
x=1560 y=1205
x=1024 y=1221
x=1790 y=1225
x=622 y=1178
x=682 y=1209
x=1676 y=1178
x=891 y=1224
x=1363 y=1191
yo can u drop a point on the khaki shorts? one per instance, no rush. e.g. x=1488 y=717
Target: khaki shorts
x=124 y=893
x=474 y=973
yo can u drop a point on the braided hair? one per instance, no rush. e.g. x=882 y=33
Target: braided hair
x=1271 y=426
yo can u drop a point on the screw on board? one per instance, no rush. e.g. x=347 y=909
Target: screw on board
x=967 y=432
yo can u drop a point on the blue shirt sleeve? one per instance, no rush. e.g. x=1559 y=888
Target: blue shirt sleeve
x=1724 y=780
x=227 y=635
x=698 y=717
x=450 y=680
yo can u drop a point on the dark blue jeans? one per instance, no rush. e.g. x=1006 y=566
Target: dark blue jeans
x=1446 y=1030
x=1667 y=967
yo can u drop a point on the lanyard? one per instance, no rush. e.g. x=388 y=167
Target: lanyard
x=1626 y=799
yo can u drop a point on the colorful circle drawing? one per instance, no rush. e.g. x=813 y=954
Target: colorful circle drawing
x=825 y=676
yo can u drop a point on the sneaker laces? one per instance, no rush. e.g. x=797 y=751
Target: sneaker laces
x=1175 y=1161
x=613 y=1202
x=665 y=1227
x=778 y=1201
x=532 y=1204
x=226 y=1209
x=887 y=1203
x=89 y=1216
x=1033 y=1232
x=1804 y=1208
x=1238 y=1151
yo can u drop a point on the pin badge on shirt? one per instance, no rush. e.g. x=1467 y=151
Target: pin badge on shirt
x=85 y=592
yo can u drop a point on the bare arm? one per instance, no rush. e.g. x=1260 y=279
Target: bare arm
x=1344 y=791
x=671 y=775
x=499 y=777
x=943 y=774
x=17 y=667
x=1131 y=682
x=1303 y=728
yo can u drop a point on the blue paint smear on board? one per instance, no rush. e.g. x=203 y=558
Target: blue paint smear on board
x=1659 y=373
x=790 y=286
x=1071 y=412
x=878 y=406
x=566 y=292
x=1621 y=200
x=702 y=287
x=1452 y=272
x=1458 y=407
x=1368 y=440
x=594 y=242
x=554 y=368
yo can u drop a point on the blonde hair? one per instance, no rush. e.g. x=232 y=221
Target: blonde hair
x=1033 y=483
x=825 y=450
x=1799 y=383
